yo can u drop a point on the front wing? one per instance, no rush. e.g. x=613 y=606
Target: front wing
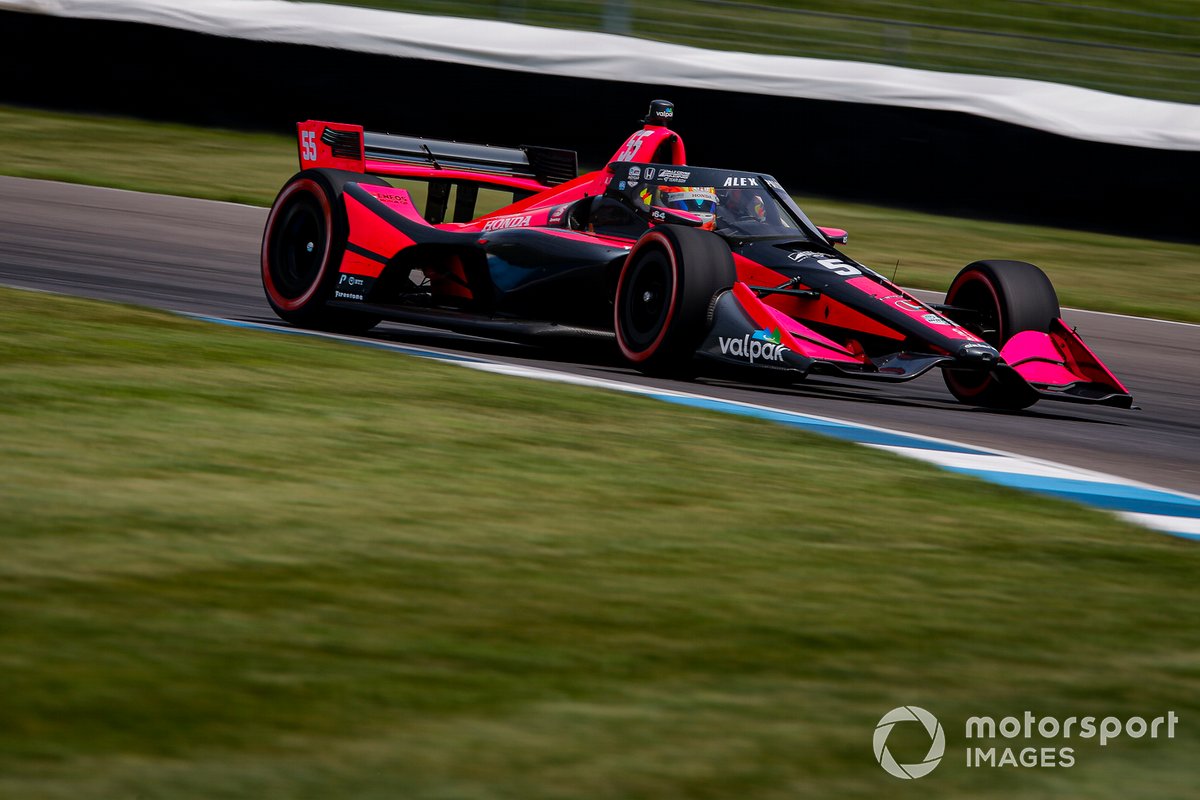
x=746 y=332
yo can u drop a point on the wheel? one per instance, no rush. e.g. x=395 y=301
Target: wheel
x=302 y=246
x=663 y=295
x=1009 y=297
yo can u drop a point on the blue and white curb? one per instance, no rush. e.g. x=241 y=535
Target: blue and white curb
x=1152 y=507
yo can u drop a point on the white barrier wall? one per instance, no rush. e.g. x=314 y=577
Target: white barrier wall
x=1055 y=108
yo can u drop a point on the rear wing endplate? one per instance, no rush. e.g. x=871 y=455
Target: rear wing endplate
x=349 y=147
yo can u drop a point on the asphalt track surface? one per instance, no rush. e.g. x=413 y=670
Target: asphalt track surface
x=200 y=256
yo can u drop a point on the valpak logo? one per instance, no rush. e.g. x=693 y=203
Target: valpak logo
x=758 y=346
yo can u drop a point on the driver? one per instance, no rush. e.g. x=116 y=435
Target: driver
x=745 y=205
x=699 y=200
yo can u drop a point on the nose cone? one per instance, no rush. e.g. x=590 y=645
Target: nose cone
x=977 y=353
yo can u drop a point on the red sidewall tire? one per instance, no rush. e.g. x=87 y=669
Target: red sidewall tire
x=283 y=204
x=1015 y=297
x=969 y=386
x=654 y=241
x=664 y=291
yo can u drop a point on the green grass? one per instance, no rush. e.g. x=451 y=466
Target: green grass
x=1090 y=270
x=1148 y=50
x=148 y=157
x=240 y=565
x=1105 y=273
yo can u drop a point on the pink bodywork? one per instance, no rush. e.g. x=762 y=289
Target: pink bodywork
x=794 y=335
x=1056 y=359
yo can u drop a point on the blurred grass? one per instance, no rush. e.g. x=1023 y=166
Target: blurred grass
x=146 y=156
x=1090 y=270
x=242 y=565
x=1145 y=49
x=1096 y=271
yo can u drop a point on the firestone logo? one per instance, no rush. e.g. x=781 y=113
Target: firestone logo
x=937 y=747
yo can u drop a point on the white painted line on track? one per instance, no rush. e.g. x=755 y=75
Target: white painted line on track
x=1164 y=510
x=1179 y=526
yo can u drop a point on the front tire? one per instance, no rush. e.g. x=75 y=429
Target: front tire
x=1007 y=297
x=663 y=295
x=302 y=246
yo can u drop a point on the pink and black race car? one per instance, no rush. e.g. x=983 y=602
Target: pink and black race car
x=683 y=266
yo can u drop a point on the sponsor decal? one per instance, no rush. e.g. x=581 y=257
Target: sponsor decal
x=621 y=186
x=934 y=319
x=674 y=175
x=800 y=255
x=507 y=222
x=762 y=345
x=774 y=184
x=649 y=173
x=340 y=295
x=700 y=195
x=737 y=181
x=905 y=304
x=635 y=173
x=657 y=215
x=557 y=214
x=646 y=195
x=350 y=280
x=766 y=335
x=392 y=198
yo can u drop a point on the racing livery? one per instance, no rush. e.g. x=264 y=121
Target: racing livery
x=681 y=266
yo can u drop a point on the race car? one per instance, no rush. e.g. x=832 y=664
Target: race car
x=682 y=267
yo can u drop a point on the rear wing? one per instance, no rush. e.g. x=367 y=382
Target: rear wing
x=523 y=169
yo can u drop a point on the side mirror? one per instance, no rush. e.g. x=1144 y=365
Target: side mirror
x=835 y=235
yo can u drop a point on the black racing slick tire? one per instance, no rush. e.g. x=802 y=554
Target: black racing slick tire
x=302 y=246
x=1006 y=298
x=663 y=295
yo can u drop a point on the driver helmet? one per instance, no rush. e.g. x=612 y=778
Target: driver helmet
x=699 y=200
x=747 y=204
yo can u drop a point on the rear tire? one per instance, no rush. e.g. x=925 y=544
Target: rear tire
x=664 y=291
x=1009 y=297
x=303 y=242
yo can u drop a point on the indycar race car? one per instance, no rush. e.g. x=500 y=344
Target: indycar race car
x=680 y=266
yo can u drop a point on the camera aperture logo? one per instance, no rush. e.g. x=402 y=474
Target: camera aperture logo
x=1026 y=741
x=937 y=747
